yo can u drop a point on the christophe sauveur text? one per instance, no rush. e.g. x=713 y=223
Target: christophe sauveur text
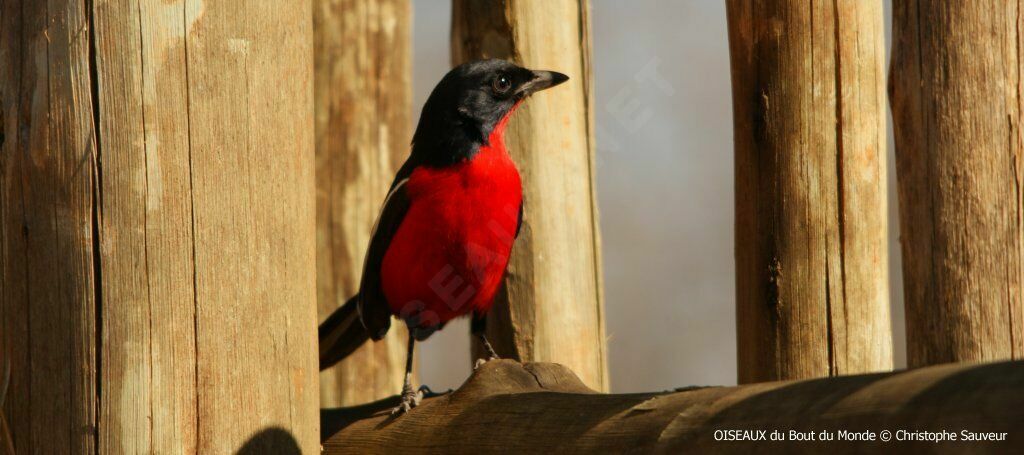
x=865 y=435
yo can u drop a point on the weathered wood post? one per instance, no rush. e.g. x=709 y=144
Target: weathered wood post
x=551 y=308
x=48 y=253
x=809 y=117
x=956 y=100
x=158 y=220
x=363 y=96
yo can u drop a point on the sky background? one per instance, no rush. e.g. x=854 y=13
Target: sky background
x=665 y=194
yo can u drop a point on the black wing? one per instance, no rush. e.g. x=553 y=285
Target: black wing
x=374 y=311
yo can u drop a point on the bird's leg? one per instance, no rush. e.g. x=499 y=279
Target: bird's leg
x=410 y=397
x=478 y=326
x=491 y=355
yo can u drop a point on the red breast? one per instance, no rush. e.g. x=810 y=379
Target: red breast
x=449 y=255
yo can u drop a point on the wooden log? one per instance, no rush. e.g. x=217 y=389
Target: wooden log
x=956 y=102
x=513 y=408
x=157 y=194
x=363 y=93
x=811 y=237
x=551 y=307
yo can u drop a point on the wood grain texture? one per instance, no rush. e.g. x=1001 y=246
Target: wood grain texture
x=551 y=306
x=508 y=407
x=956 y=101
x=158 y=206
x=809 y=129
x=148 y=350
x=48 y=179
x=250 y=88
x=363 y=99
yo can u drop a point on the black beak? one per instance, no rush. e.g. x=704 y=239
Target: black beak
x=542 y=80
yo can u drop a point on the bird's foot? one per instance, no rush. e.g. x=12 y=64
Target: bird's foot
x=410 y=399
x=402 y=408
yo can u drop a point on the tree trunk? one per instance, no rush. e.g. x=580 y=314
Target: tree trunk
x=551 y=307
x=158 y=226
x=956 y=102
x=543 y=408
x=811 y=256
x=363 y=96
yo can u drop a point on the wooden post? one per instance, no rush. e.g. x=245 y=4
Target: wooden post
x=551 y=307
x=157 y=255
x=47 y=192
x=540 y=408
x=809 y=117
x=363 y=96
x=956 y=102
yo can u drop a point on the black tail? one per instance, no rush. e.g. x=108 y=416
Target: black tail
x=341 y=334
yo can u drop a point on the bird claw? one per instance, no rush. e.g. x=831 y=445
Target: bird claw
x=402 y=408
x=410 y=399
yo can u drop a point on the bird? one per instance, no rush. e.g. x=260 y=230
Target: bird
x=442 y=240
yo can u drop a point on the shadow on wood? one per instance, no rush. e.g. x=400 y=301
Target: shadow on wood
x=271 y=440
x=513 y=407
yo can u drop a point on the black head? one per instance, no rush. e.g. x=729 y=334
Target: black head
x=466 y=105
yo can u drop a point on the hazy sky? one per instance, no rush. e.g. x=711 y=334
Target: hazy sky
x=665 y=189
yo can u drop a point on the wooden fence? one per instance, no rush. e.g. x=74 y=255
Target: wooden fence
x=183 y=184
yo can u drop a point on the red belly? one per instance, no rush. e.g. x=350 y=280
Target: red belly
x=449 y=254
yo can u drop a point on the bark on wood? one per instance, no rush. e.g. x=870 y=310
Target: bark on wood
x=809 y=117
x=513 y=408
x=956 y=101
x=157 y=198
x=551 y=307
x=363 y=95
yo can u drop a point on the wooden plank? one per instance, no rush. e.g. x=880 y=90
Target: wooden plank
x=363 y=93
x=551 y=307
x=809 y=122
x=513 y=408
x=956 y=102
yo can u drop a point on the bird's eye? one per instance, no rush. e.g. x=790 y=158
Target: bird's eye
x=502 y=84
